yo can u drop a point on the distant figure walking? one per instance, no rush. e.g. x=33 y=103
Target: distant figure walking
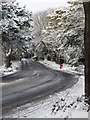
x=61 y=65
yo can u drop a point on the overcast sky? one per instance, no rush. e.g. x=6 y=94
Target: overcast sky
x=39 y=5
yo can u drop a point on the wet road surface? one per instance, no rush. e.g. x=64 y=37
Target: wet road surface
x=32 y=82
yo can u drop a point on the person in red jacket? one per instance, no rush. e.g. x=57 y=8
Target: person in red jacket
x=61 y=65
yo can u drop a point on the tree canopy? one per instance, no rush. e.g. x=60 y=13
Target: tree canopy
x=17 y=26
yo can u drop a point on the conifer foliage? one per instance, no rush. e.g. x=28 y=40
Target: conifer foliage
x=16 y=31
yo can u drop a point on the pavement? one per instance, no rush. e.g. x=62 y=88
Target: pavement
x=32 y=82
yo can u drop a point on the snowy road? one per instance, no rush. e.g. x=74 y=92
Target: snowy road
x=32 y=82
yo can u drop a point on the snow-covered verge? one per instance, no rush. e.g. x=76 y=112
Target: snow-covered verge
x=12 y=69
x=65 y=104
x=66 y=67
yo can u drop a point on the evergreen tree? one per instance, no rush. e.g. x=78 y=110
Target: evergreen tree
x=16 y=30
x=65 y=34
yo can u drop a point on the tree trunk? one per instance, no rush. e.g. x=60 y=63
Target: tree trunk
x=87 y=50
x=8 y=58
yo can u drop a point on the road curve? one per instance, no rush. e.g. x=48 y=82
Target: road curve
x=32 y=82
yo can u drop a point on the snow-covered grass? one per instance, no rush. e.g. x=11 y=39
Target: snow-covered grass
x=65 y=104
x=12 y=69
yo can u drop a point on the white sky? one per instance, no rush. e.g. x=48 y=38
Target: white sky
x=39 y=5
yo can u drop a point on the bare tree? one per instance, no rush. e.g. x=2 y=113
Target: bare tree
x=41 y=21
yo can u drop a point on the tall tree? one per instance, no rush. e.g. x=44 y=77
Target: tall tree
x=16 y=30
x=87 y=50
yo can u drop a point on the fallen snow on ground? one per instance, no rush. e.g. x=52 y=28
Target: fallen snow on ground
x=12 y=69
x=65 y=104
x=66 y=67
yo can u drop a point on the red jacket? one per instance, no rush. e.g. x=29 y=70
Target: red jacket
x=61 y=65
